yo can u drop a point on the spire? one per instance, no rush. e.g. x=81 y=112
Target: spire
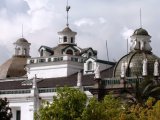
x=140 y=18
x=67 y=10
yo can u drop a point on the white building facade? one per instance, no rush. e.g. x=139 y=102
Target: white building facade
x=25 y=81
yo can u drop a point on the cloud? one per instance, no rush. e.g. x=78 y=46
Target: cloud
x=84 y=21
x=102 y=20
x=97 y=22
x=126 y=33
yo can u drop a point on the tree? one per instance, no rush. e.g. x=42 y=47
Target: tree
x=67 y=105
x=142 y=91
x=95 y=110
x=108 y=109
x=5 y=110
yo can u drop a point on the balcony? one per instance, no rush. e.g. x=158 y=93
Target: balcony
x=55 y=59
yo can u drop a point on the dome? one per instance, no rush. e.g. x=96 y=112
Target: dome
x=21 y=40
x=135 y=63
x=67 y=30
x=13 y=67
x=141 y=31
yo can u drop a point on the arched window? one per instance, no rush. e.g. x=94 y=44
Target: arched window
x=89 y=54
x=65 y=39
x=69 y=52
x=90 y=66
x=41 y=53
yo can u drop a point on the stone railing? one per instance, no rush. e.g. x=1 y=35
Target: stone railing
x=55 y=59
x=18 y=91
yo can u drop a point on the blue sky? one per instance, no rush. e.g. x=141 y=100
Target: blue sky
x=95 y=21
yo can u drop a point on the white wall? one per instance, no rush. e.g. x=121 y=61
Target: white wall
x=48 y=71
x=26 y=109
x=53 y=70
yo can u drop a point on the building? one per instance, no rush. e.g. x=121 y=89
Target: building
x=139 y=64
x=26 y=81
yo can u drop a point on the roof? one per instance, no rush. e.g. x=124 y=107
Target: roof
x=70 y=81
x=84 y=50
x=46 y=48
x=67 y=30
x=59 y=49
x=13 y=67
x=21 y=40
x=105 y=62
x=141 y=31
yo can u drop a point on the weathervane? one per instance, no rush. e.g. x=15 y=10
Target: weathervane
x=67 y=9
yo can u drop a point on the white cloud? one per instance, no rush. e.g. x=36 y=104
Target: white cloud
x=126 y=33
x=84 y=21
x=102 y=20
x=42 y=19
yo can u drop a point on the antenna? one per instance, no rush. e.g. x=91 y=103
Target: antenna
x=127 y=50
x=140 y=18
x=67 y=9
x=107 y=51
x=22 y=30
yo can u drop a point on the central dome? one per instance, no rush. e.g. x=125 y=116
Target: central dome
x=134 y=63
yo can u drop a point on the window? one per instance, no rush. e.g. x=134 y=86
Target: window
x=49 y=59
x=89 y=54
x=41 y=60
x=65 y=38
x=18 y=115
x=72 y=39
x=69 y=52
x=90 y=67
x=31 y=61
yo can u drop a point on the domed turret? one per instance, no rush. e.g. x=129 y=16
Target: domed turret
x=14 y=67
x=22 y=47
x=140 y=61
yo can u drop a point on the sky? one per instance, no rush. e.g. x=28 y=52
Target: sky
x=95 y=21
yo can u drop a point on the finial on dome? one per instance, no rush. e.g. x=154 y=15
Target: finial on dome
x=67 y=9
x=140 y=18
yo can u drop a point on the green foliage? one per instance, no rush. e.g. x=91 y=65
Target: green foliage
x=95 y=110
x=72 y=104
x=144 y=90
x=5 y=110
x=138 y=112
x=67 y=105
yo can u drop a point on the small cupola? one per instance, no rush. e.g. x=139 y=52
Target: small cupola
x=141 y=41
x=22 y=47
x=67 y=36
